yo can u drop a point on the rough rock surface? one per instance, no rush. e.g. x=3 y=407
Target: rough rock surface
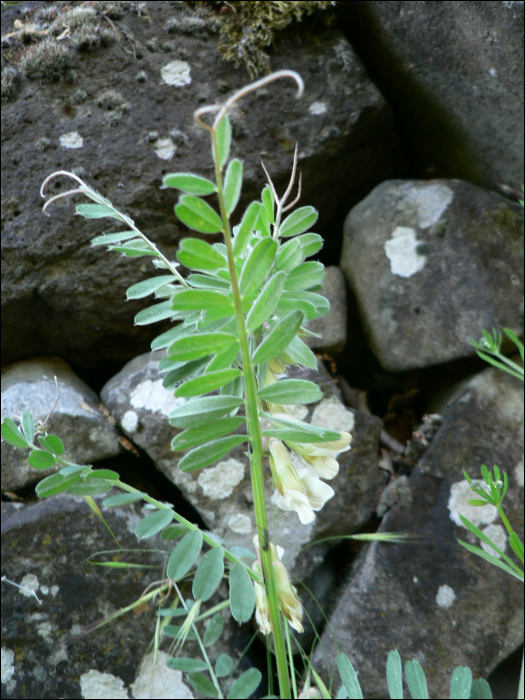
x=432 y=599
x=45 y=548
x=222 y=494
x=127 y=121
x=332 y=327
x=452 y=73
x=78 y=418
x=432 y=264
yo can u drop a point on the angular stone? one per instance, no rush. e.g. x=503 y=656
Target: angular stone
x=128 y=121
x=77 y=418
x=432 y=599
x=432 y=264
x=452 y=74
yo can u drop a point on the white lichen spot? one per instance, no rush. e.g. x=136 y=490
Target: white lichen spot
x=95 y=684
x=317 y=108
x=152 y=396
x=165 y=148
x=156 y=680
x=498 y=535
x=176 y=73
x=129 y=422
x=460 y=493
x=518 y=473
x=402 y=252
x=71 y=140
x=429 y=202
x=445 y=596
x=493 y=72
x=219 y=481
x=300 y=411
x=30 y=585
x=239 y=523
x=8 y=664
x=332 y=415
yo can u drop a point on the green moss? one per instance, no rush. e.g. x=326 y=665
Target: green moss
x=248 y=27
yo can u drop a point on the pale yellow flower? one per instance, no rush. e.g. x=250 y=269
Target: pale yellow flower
x=288 y=600
x=290 y=604
x=296 y=489
x=262 y=609
x=321 y=456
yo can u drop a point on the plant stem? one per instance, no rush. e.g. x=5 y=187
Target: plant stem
x=254 y=430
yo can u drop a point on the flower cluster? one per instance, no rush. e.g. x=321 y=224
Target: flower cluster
x=289 y=602
x=300 y=488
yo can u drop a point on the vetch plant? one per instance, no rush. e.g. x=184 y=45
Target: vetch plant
x=241 y=315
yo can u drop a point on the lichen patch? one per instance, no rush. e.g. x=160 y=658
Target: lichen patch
x=332 y=415
x=152 y=396
x=445 y=596
x=129 y=422
x=240 y=523
x=460 y=493
x=498 y=535
x=165 y=148
x=430 y=202
x=219 y=481
x=402 y=251
x=317 y=108
x=95 y=684
x=71 y=140
x=176 y=73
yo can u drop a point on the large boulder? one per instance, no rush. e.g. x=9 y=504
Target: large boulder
x=123 y=121
x=452 y=73
x=430 y=598
x=431 y=265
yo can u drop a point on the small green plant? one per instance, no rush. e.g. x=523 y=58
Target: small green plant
x=489 y=349
x=241 y=314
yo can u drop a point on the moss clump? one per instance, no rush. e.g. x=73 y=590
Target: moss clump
x=10 y=83
x=43 y=44
x=248 y=27
x=111 y=99
x=47 y=61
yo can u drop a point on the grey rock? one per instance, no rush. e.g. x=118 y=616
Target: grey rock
x=45 y=548
x=432 y=599
x=222 y=494
x=332 y=327
x=432 y=264
x=77 y=418
x=59 y=295
x=452 y=73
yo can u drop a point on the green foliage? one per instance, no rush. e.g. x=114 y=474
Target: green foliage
x=243 y=306
x=462 y=685
x=489 y=349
